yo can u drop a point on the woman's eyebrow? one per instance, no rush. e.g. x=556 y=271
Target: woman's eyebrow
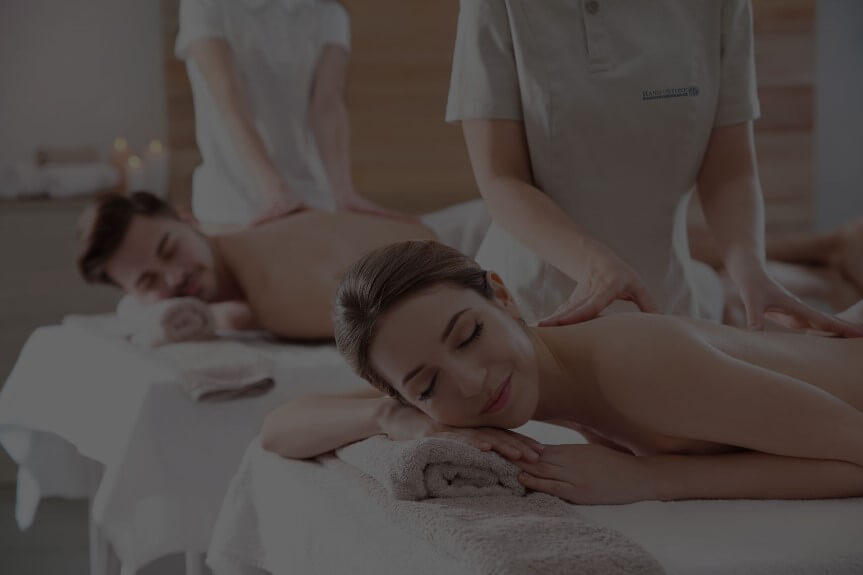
x=451 y=324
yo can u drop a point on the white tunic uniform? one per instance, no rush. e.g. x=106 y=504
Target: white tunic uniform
x=618 y=99
x=275 y=46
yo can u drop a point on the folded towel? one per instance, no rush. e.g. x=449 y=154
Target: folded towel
x=432 y=467
x=56 y=180
x=461 y=226
x=218 y=370
x=166 y=321
x=285 y=516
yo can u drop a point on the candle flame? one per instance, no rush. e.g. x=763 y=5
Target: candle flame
x=120 y=144
x=156 y=146
x=134 y=162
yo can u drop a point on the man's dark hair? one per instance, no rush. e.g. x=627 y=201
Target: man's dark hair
x=103 y=227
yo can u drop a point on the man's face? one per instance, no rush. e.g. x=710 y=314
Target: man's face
x=161 y=258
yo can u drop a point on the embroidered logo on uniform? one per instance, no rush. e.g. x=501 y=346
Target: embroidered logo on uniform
x=661 y=94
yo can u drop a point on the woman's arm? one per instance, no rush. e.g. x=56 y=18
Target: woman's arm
x=501 y=165
x=310 y=426
x=595 y=475
x=664 y=376
x=751 y=475
x=213 y=58
x=313 y=425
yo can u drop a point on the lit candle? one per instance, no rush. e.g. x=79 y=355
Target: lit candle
x=119 y=159
x=136 y=177
x=156 y=168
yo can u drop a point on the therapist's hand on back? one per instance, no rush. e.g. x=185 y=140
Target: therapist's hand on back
x=353 y=202
x=279 y=202
x=763 y=297
x=606 y=278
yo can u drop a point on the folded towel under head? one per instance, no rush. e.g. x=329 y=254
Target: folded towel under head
x=432 y=467
x=166 y=321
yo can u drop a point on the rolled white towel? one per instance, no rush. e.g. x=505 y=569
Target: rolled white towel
x=166 y=321
x=432 y=467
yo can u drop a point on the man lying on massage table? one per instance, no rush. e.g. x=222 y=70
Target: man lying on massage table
x=280 y=276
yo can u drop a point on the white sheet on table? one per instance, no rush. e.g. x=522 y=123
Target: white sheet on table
x=76 y=396
x=288 y=516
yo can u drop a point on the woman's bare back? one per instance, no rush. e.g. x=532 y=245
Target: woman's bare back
x=831 y=364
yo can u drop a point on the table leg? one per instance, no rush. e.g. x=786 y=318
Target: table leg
x=195 y=563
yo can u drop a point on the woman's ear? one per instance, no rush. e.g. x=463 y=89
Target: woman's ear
x=502 y=297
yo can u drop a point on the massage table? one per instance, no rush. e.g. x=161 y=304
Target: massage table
x=286 y=516
x=87 y=416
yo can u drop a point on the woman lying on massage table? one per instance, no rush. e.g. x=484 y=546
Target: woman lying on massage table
x=673 y=408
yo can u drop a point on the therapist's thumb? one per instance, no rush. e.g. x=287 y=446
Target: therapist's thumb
x=641 y=297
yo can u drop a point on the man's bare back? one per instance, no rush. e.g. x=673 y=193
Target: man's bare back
x=289 y=269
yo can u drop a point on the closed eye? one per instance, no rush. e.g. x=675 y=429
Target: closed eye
x=477 y=331
x=429 y=391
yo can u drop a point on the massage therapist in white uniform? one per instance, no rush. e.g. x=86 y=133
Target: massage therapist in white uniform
x=588 y=124
x=268 y=80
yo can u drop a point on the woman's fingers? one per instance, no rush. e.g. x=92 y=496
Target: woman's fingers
x=550 y=486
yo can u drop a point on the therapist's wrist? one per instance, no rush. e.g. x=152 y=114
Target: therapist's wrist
x=744 y=263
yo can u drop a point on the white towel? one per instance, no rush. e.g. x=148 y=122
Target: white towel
x=218 y=370
x=287 y=516
x=166 y=321
x=432 y=467
x=461 y=226
x=56 y=180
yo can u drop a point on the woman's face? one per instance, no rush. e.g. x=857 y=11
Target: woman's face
x=464 y=360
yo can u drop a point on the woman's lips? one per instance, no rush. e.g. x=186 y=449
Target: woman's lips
x=500 y=398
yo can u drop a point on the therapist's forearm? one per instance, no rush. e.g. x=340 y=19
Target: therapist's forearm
x=731 y=199
x=330 y=124
x=214 y=60
x=534 y=219
x=751 y=475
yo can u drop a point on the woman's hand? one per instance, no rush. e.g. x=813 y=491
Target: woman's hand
x=356 y=203
x=607 y=278
x=761 y=295
x=403 y=422
x=588 y=474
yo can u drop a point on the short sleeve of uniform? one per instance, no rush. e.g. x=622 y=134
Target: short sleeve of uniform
x=335 y=24
x=738 y=94
x=198 y=19
x=484 y=82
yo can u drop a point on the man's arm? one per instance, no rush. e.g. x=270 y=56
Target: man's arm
x=750 y=475
x=795 y=248
x=234 y=316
